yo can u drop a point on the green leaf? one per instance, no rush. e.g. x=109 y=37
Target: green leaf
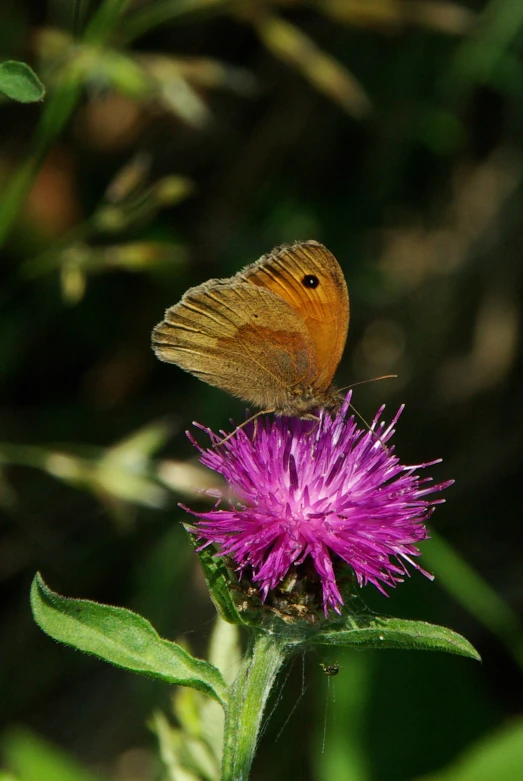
x=218 y=581
x=378 y=632
x=19 y=82
x=122 y=638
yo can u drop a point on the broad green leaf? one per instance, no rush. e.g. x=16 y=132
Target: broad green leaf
x=496 y=756
x=378 y=632
x=19 y=82
x=218 y=581
x=122 y=638
x=33 y=759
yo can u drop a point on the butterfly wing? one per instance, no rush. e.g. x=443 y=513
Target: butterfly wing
x=309 y=278
x=239 y=337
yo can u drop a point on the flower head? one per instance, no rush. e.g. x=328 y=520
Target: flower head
x=321 y=493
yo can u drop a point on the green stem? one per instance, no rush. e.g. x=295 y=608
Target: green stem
x=56 y=113
x=104 y=20
x=248 y=698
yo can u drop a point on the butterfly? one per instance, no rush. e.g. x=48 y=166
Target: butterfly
x=272 y=335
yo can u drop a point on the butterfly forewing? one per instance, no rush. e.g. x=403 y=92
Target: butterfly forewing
x=309 y=278
x=272 y=335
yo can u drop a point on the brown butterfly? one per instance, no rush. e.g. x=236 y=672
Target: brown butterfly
x=272 y=335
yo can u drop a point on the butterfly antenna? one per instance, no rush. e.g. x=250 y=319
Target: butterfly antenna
x=358 y=414
x=249 y=420
x=369 y=427
x=373 y=379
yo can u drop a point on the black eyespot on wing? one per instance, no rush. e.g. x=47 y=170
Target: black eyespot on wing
x=310 y=280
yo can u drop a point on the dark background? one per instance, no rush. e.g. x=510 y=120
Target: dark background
x=247 y=135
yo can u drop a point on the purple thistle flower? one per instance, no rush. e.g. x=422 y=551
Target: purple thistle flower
x=319 y=491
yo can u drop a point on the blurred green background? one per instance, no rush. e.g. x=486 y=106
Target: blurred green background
x=179 y=140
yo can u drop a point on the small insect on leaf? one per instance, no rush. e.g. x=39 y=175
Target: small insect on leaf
x=330 y=669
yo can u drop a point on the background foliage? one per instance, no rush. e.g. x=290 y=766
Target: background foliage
x=179 y=140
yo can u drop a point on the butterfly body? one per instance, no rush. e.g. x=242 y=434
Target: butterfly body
x=272 y=335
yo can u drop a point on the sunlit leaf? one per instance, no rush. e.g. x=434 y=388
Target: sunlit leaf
x=369 y=631
x=187 y=477
x=19 y=82
x=121 y=477
x=122 y=638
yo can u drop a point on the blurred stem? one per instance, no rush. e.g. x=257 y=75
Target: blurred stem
x=56 y=113
x=470 y=590
x=248 y=698
x=104 y=20
x=54 y=117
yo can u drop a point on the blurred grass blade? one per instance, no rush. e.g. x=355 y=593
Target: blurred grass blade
x=187 y=477
x=166 y=192
x=122 y=638
x=341 y=740
x=191 y=740
x=445 y=17
x=185 y=757
x=33 y=759
x=496 y=757
x=176 y=83
x=81 y=260
x=130 y=178
x=117 y=478
x=104 y=19
x=216 y=74
x=471 y=591
x=371 y=631
x=329 y=76
x=174 y=92
x=225 y=650
x=19 y=82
